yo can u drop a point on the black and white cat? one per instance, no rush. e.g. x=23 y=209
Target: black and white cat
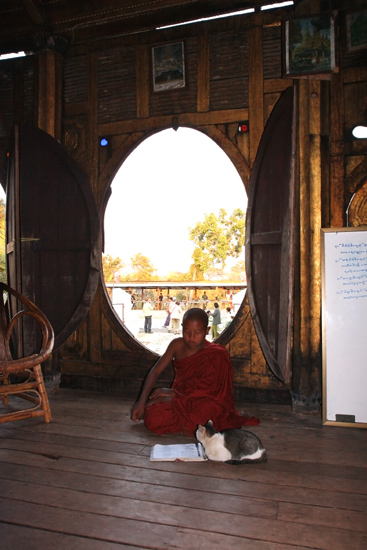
x=234 y=446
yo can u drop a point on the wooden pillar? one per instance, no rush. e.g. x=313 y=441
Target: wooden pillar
x=18 y=98
x=95 y=315
x=335 y=217
x=92 y=128
x=307 y=343
x=49 y=56
x=142 y=81
x=307 y=358
x=203 y=93
x=256 y=90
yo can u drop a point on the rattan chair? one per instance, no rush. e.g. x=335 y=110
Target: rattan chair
x=22 y=377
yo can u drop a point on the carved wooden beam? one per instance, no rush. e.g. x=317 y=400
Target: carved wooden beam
x=34 y=11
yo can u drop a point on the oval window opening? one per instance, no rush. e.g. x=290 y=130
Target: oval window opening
x=174 y=232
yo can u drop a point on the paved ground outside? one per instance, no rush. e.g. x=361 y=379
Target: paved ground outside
x=160 y=337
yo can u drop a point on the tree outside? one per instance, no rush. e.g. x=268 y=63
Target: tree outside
x=111 y=267
x=142 y=269
x=217 y=238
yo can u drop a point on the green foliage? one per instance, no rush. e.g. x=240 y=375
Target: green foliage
x=111 y=266
x=239 y=267
x=181 y=296
x=176 y=276
x=195 y=273
x=238 y=272
x=216 y=274
x=3 y=277
x=216 y=238
x=142 y=269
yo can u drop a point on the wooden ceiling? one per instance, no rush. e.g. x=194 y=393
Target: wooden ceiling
x=88 y=20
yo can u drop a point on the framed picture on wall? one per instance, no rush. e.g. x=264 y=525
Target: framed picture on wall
x=356 y=31
x=168 y=62
x=309 y=46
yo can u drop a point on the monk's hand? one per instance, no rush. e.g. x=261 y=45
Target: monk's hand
x=137 y=411
x=162 y=394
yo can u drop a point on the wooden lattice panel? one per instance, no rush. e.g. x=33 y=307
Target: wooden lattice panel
x=228 y=70
x=116 y=85
x=272 y=52
x=75 y=79
x=183 y=99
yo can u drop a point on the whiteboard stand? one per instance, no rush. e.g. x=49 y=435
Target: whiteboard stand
x=344 y=326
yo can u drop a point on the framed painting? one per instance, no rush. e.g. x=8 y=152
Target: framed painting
x=309 y=46
x=356 y=31
x=168 y=62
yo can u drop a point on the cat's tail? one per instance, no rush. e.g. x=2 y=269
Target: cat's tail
x=262 y=458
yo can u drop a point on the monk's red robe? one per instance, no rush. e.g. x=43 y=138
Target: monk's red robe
x=204 y=391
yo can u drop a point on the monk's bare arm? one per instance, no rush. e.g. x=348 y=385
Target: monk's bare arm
x=137 y=410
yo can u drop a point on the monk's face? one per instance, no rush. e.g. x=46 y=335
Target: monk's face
x=193 y=333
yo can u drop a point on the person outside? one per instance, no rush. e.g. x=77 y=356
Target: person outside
x=160 y=301
x=148 y=310
x=202 y=388
x=230 y=316
x=205 y=300
x=216 y=320
x=176 y=317
x=171 y=305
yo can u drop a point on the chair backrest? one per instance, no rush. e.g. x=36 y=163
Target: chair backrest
x=4 y=324
x=11 y=327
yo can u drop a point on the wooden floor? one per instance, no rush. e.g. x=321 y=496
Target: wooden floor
x=85 y=482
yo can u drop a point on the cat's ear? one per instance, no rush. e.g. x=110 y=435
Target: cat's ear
x=209 y=423
x=200 y=429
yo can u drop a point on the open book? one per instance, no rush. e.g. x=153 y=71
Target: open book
x=180 y=453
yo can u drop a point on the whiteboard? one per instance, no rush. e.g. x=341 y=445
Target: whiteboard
x=344 y=326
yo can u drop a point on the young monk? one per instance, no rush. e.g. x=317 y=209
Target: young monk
x=202 y=388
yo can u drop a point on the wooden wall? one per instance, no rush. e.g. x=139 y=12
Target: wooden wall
x=233 y=73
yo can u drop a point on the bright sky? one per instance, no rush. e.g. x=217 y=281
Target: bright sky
x=165 y=186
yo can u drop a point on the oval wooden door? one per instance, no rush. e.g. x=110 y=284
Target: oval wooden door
x=270 y=236
x=53 y=248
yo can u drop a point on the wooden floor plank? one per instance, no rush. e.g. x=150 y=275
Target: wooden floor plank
x=98 y=487
x=86 y=478
x=98 y=527
x=24 y=538
x=185 y=540
x=120 y=515
x=17 y=537
x=326 y=480
x=329 y=477
x=178 y=479
x=317 y=444
x=316 y=515
x=211 y=488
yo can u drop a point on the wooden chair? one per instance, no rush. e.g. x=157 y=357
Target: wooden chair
x=22 y=377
